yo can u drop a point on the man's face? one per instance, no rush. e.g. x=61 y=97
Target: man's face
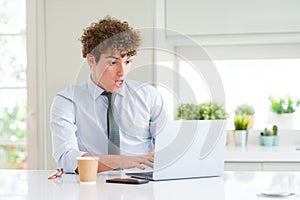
x=110 y=71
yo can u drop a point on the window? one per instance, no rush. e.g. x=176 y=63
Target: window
x=250 y=81
x=254 y=81
x=13 y=87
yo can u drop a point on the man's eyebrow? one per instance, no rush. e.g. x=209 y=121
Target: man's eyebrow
x=107 y=57
x=112 y=57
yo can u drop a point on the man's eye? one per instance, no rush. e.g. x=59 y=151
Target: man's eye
x=113 y=63
x=128 y=61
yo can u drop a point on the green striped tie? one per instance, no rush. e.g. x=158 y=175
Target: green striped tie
x=112 y=125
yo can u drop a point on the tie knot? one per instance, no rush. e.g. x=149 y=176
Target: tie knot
x=106 y=93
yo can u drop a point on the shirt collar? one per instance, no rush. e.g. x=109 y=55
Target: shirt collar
x=96 y=91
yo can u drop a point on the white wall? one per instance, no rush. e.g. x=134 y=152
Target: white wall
x=237 y=29
x=213 y=17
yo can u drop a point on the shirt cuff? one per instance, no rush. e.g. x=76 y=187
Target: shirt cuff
x=68 y=162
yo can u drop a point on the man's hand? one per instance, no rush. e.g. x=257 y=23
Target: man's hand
x=137 y=161
x=109 y=162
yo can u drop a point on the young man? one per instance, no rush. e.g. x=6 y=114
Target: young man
x=81 y=115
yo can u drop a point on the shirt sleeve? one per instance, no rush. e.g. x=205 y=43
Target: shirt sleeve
x=159 y=114
x=63 y=128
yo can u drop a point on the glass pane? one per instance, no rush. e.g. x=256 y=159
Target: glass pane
x=196 y=81
x=13 y=156
x=13 y=151
x=12 y=61
x=254 y=81
x=12 y=114
x=12 y=16
x=13 y=102
x=251 y=82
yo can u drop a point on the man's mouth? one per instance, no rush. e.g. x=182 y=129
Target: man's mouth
x=119 y=83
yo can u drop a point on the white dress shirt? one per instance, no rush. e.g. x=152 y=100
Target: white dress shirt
x=78 y=121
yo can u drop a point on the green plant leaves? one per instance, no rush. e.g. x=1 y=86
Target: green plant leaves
x=284 y=105
x=13 y=121
x=204 y=111
x=241 y=122
x=244 y=109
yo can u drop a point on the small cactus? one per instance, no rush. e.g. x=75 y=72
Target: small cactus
x=267 y=132
x=275 y=130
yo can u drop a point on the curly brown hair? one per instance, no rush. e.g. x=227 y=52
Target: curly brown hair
x=110 y=34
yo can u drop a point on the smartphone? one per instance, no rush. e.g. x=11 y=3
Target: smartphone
x=127 y=180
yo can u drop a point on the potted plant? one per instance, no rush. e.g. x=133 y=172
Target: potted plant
x=282 y=110
x=211 y=113
x=245 y=109
x=241 y=124
x=269 y=137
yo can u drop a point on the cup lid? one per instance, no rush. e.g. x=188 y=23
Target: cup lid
x=87 y=158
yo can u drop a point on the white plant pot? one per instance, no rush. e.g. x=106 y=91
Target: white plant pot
x=283 y=121
x=241 y=137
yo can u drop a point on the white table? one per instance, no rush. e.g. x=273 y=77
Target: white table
x=26 y=184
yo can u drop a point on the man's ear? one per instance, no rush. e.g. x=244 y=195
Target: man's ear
x=91 y=60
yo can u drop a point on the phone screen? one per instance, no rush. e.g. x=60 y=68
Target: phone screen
x=127 y=180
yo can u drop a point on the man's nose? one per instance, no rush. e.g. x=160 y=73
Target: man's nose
x=121 y=69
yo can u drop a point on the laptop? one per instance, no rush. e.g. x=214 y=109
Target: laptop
x=187 y=149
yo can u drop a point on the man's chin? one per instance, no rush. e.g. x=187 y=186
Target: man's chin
x=117 y=89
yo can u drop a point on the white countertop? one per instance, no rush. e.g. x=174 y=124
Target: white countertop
x=256 y=153
x=18 y=184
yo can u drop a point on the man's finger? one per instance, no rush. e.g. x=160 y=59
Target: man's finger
x=149 y=163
